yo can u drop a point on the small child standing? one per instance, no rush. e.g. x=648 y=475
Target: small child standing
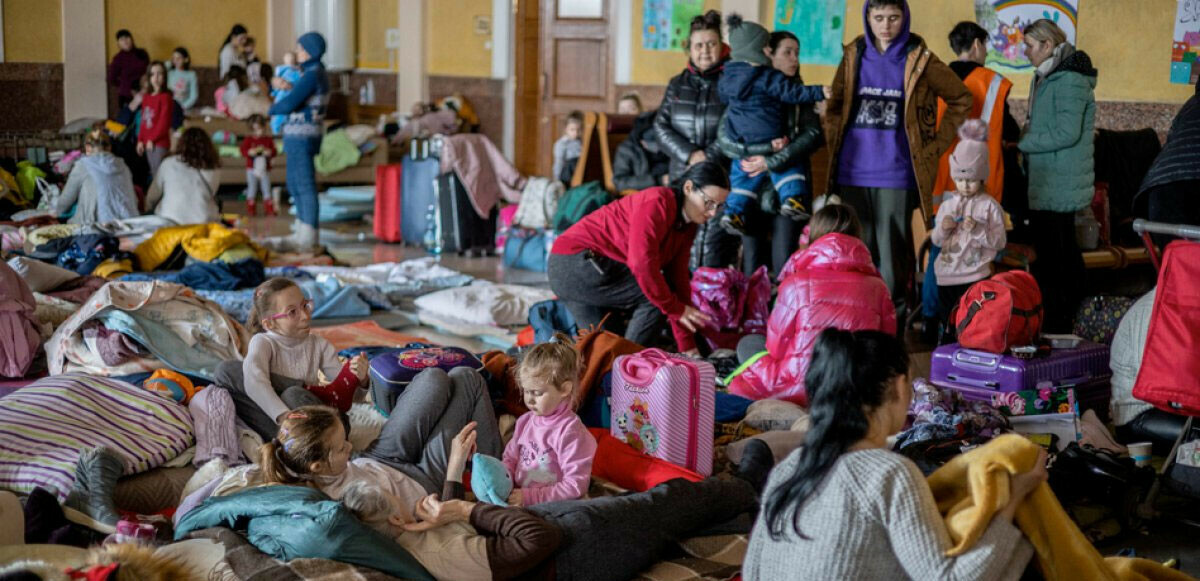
x=157 y=116
x=970 y=223
x=568 y=148
x=754 y=93
x=259 y=149
x=284 y=360
x=551 y=452
x=286 y=75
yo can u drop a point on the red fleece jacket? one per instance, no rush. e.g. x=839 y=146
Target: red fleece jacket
x=645 y=233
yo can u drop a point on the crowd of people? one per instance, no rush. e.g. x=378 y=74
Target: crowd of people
x=153 y=96
x=720 y=175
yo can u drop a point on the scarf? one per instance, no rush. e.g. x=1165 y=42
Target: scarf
x=1061 y=52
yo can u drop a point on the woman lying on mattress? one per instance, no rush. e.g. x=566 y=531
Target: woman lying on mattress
x=423 y=450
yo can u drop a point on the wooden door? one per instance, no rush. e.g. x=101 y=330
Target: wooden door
x=528 y=74
x=575 y=67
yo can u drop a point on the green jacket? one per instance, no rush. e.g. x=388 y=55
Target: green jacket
x=1058 y=143
x=294 y=522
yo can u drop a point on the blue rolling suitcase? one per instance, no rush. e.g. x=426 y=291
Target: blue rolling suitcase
x=418 y=193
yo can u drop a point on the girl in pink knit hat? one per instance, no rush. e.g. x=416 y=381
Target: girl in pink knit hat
x=970 y=224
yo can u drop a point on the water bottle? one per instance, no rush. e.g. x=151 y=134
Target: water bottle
x=433 y=239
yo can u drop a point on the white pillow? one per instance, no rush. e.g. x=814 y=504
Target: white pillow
x=485 y=303
x=40 y=276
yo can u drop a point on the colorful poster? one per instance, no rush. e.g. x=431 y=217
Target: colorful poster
x=1005 y=20
x=1185 y=45
x=665 y=22
x=819 y=24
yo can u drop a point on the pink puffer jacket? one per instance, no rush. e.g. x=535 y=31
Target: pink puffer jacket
x=832 y=283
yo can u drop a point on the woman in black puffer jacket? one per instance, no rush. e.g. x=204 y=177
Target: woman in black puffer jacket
x=686 y=128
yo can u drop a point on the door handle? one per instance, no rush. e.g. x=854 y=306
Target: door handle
x=545 y=86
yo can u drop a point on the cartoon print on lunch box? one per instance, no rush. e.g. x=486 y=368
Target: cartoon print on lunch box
x=636 y=428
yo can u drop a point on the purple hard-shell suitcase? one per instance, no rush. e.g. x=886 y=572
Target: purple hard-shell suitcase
x=979 y=374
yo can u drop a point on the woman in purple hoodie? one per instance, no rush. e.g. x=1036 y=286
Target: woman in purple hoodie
x=881 y=124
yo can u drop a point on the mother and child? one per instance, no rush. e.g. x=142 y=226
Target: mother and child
x=408 y=483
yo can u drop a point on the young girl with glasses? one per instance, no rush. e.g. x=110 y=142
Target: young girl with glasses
x=280 y=372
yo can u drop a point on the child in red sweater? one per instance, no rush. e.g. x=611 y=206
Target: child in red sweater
x=157 y=116
x=258 y=149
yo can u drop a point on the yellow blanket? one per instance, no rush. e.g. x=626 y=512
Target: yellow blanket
x=204 y=242
x=973 y=487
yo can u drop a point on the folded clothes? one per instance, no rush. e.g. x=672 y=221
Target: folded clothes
x=113 y=347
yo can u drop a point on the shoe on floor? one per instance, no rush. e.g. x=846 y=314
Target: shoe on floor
x=251 y=208
x=793 y=208
x=756 y=464
x=734 y=224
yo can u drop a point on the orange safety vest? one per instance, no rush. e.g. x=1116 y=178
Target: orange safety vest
x=990 y=90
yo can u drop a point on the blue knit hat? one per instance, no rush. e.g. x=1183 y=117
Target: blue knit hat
x=313 y=43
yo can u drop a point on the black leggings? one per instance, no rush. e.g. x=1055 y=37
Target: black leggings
x=592 y=286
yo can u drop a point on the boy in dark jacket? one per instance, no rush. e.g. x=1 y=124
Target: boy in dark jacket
x=754 y=93
x=639 y=163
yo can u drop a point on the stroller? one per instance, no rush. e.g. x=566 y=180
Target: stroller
x=1170 y=374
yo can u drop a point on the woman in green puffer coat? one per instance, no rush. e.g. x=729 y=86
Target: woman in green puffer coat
x=1057 y=142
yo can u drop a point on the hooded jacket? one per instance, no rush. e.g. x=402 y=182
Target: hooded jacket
x=1060 y=136
x=689 y=116
x=755 y=98
x=926 y=79
x=639 y=162
x=832 y=283
x=305 y=104
x=102 y=186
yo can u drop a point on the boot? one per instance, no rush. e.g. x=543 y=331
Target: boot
x=250 y=209
x=268 y=207
x=96 y=475
x=307 y=237
x=757 y=462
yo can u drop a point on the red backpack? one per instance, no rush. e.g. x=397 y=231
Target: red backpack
x=1169 y=377
x=1000 y=312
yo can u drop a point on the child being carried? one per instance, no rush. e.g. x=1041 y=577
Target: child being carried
x=754 y=94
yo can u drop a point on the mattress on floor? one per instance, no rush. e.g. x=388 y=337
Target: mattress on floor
x=351 y=194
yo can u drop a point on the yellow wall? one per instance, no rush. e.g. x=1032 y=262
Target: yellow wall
x=374 y=18
x=33 y=31
x=655 y=67
x=451 y=46
x=1134 y=64
x=198 y=25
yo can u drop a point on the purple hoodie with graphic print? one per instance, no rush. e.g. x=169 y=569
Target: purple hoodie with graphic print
x=875 y=151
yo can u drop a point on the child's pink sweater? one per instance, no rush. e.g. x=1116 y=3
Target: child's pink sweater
x=550 y=457
x=967 y=254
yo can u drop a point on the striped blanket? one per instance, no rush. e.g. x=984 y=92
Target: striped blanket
x=44 y=426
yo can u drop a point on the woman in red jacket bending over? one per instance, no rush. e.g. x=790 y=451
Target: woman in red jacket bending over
x=832 y=283
x=631 y=256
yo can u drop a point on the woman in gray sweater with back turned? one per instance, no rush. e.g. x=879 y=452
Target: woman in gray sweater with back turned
x=844 y=507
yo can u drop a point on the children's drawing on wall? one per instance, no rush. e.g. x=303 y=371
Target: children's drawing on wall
x=1005 y=20
x=819 y=24
x=1185 y=45
x=665 y=22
